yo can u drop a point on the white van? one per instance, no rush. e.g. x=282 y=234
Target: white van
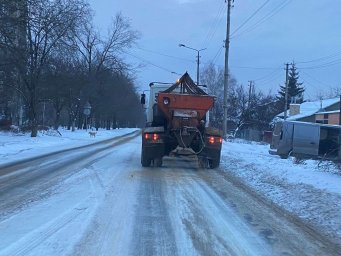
x=306 y=140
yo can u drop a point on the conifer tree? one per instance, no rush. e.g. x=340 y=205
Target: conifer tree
x=295 y=88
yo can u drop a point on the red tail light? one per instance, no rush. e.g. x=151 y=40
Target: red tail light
x=217 y=140
x=151 y=136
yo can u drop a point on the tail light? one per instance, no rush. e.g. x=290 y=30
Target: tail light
x=152 y=137
x=155 y=136
x=215 y=140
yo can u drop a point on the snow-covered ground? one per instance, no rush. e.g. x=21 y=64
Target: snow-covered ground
x=53 y=221
x=14 y=147
x=99 y=200
x=308 y=189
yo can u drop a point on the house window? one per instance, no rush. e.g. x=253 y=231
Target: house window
x=322 y=118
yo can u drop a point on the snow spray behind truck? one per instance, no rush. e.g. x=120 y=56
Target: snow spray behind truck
x=177 y=124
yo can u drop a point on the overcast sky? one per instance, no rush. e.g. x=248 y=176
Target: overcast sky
x=281 y=31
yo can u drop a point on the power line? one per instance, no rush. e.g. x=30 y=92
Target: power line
x=217 y=55
x=166 y=55
x=315 y=79
x=305 y=81
x=248 y=67
x=272 y=74
x=268 y=16
x=324 y=65
x=213 y=28
x=248 y=19
x=271 y=80
x=150 y=63
x=330 y=56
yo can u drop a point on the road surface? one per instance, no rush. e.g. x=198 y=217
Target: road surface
x=98 y=200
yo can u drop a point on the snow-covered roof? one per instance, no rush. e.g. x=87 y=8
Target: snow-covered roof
x=310 y=108
x=329 y=112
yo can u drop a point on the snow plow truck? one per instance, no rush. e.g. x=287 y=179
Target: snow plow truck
x=178 y=124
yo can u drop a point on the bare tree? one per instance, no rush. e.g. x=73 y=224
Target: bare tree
x=246 y=109
x=101 y=58
x=104 y=53
x=31 y=31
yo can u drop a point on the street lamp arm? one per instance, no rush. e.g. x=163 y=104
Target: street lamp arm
x=198 y=58
x=182 y=45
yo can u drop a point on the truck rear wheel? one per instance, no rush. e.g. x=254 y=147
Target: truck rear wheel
x=144 y=160
x=214 y=163
x=158 y=162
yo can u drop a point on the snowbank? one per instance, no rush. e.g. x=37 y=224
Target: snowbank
x=14 y=147
x=308 y=189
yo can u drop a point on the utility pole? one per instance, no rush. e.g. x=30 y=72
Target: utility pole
x=340 y=112
x=198 y=58
x=250 y=90
x=286 y=91
x=226 y=72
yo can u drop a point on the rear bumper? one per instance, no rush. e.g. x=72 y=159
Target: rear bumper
x=153 y=150
x=211 y=152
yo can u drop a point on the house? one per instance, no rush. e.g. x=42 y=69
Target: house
x=322 y=111
x=328 y=117
x=310 y=127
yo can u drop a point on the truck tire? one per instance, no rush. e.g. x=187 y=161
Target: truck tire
x=214 y=163
x=158 y=162
x=144 y=160
x=202 y=162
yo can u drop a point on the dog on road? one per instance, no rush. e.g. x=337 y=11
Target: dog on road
x=92 y=134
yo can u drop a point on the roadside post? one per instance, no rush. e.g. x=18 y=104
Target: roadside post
x=86 y=112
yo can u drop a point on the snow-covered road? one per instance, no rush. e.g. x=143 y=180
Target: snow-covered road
x=98 y=200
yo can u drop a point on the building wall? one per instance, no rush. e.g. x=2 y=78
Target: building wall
x=333 y=118
x=321 y=118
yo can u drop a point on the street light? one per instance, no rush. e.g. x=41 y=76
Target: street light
x=198 y=57
x=174 y=73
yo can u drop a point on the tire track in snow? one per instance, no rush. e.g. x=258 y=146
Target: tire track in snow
x=29 y=242
x=153 y=233
x=25 y=245
x=37 y=181
x=285 y=234
x=110 y=230
x=211 y=225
